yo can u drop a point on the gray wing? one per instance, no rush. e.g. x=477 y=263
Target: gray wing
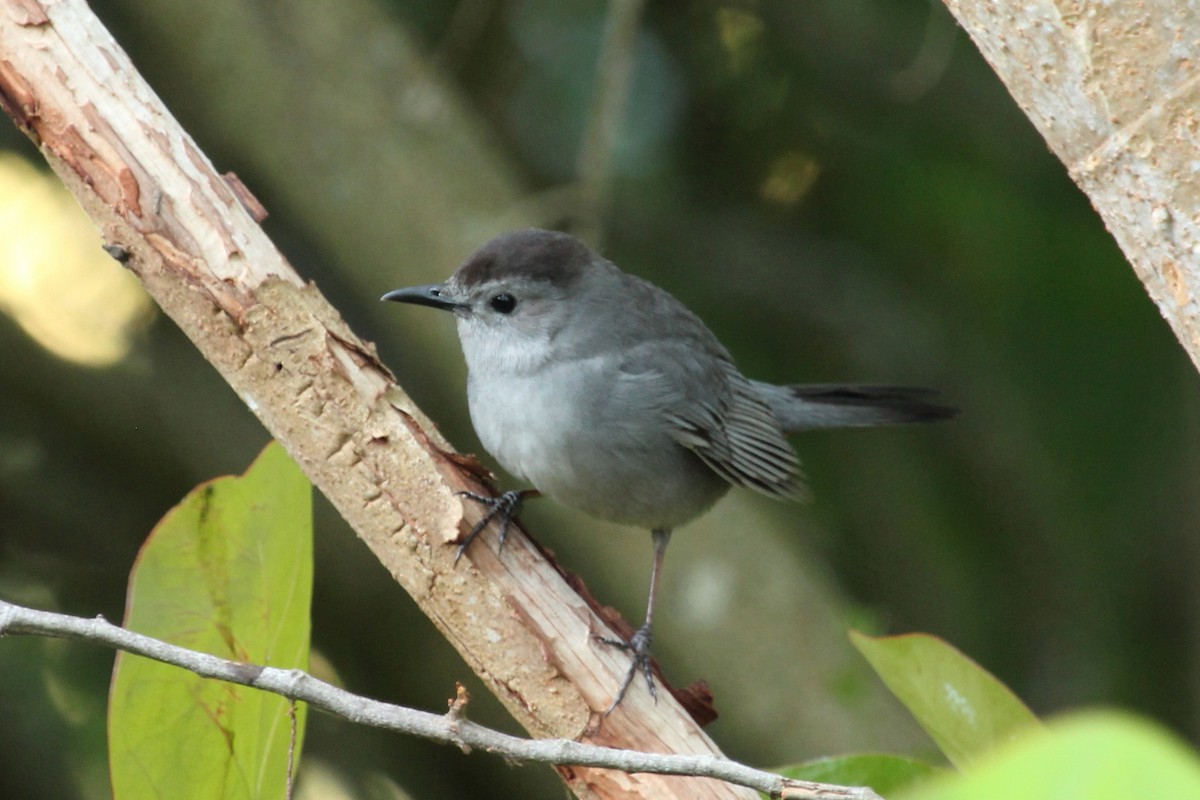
x=713 y=411
x=683 y=373
x=738 y=437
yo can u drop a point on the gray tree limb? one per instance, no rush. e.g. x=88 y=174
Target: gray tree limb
x=1114 y=88
x=450 y=728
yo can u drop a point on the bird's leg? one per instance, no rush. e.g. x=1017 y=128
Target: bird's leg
x=639 y=645
x=505 y=508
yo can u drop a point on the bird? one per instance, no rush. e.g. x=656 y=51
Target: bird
x=607 y=394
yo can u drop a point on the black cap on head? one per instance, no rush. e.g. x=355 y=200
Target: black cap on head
x=532 y=253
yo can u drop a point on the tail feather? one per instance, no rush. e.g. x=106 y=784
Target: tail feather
x=814 y=406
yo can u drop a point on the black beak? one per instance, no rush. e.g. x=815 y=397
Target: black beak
x=432 y=295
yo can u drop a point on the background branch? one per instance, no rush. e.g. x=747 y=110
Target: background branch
x=1114 y=92
x=450 y=728
x=614 y=72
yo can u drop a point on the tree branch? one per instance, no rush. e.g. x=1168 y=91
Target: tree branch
x=614 y=71
x=450 y=728
x=1113 y=88
x=518 y=621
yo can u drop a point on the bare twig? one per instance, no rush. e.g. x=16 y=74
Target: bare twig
x=293 y=734
x=451 y=728
x=614 y=69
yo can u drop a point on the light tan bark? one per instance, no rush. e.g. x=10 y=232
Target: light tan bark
x=1115 y=90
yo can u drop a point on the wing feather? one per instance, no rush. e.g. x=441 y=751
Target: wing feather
x=738 y=437
x=683 y=373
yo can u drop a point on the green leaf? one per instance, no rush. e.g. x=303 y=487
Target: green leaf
x=886 y=774
x=1090 y=756
x=229 y=572
x=959 y=704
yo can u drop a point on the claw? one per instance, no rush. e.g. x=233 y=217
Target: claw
x=639 y=648
x=506 y=507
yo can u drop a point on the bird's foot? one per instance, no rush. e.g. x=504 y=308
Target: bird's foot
x=505 y=508
x=639 y=648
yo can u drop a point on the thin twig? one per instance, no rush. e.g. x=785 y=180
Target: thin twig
x=451 y=728
x=291 y=763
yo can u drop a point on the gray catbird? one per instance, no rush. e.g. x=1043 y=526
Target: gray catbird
x=609 y=395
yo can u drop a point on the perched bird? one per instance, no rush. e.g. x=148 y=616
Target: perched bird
x=607 y=394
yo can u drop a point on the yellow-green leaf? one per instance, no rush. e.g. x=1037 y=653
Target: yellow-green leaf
x=1091 y=756
x=229 y=572
x=962 y=706
x=886 y=774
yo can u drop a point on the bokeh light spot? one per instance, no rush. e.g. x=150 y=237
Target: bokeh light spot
x=789 y=178
x=739 y=31
x=56 y=282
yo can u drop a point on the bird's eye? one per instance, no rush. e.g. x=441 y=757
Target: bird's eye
x=503 y=303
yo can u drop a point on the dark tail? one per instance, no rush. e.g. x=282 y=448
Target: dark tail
x=812 y=406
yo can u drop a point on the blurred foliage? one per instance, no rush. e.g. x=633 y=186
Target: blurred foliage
x=57 y=283
x=843 y=190
x=886 y=774
x=1092 y=756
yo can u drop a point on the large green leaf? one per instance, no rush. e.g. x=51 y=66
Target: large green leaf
x=229 y=572
x=959 y=704
x=1092 y=756
x=886 y=774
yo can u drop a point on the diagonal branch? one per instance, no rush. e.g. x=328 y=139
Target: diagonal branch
x=1113 y=88
x=185 y=231
x=450 y=728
